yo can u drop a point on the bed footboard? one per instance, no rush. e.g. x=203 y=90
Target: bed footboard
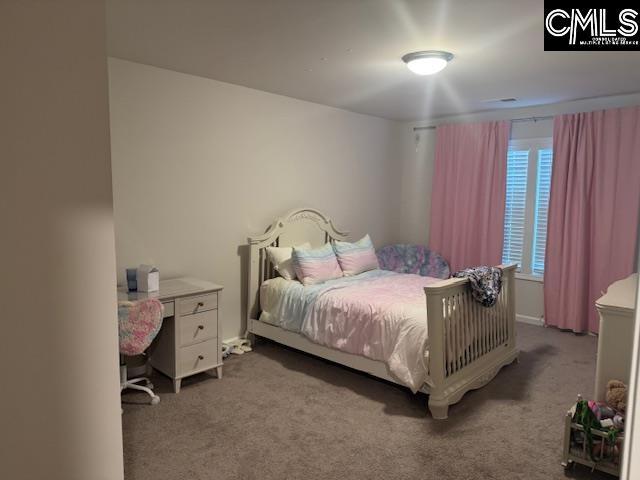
x=468 y=343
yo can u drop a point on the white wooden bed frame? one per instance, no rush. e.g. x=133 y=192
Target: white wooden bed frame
x=454 y=368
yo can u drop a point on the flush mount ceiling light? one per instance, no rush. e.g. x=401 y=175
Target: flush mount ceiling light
x=427 y=62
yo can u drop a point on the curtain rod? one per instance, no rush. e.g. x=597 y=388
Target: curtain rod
x=525 y=119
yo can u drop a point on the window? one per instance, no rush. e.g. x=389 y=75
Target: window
x=515 y=207
x=543 y=188
x=529 y=165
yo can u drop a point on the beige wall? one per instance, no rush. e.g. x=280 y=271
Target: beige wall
x=200 y=165
x=415 y=163
x=529 y=300
x=60 y=402
x=193 y=159
x=416 y=160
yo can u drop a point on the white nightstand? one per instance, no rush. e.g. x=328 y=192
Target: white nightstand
x=189 y=341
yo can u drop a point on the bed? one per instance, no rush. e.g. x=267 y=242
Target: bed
x=424 y=333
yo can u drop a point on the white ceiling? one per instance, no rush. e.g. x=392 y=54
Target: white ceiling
x=346 y=53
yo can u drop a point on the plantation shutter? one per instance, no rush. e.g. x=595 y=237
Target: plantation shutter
x=543 y=187
x=515 y=205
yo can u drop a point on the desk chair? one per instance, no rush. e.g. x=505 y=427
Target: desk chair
x=139 y=323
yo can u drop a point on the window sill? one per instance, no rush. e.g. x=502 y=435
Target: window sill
x=529 y=277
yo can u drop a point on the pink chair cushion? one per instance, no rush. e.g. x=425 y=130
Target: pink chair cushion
x=139 y=323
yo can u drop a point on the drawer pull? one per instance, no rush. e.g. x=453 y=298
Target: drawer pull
x=196 y=327
x=197 y=357
x=191 y=305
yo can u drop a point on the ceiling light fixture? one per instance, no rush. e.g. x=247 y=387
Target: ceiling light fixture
x=427 y=62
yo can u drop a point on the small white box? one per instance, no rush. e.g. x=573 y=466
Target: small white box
x=148 y=278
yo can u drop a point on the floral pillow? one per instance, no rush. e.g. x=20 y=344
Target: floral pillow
x=315 y=265
x=357 y=257
x=416 y=259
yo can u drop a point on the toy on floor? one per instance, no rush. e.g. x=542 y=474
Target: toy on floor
x=601 y=410
x=606 y=417
x=617 y=395
x=237 y=347
x=586 y=417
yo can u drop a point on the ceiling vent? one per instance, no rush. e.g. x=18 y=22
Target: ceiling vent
x=500 y=100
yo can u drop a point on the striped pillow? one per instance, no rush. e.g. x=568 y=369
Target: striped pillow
x=356 y=257
x=315 y=265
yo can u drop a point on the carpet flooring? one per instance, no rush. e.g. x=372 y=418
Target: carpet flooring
x=282 y=414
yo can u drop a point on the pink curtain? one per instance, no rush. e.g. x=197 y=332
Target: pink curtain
x=593 y=212
x=468 y=193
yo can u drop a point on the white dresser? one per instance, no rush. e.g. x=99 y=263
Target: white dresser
x=615 y=340
x=189 y=341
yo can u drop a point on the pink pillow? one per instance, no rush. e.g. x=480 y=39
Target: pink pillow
x=315 y=265
x=356 y=257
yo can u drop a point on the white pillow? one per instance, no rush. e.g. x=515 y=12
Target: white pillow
x=281 y=259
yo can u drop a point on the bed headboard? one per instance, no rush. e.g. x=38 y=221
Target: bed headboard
x=296 y=227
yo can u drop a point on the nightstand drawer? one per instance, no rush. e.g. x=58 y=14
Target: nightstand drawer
x=198 y=357
x=198 y=327
x=202 y=303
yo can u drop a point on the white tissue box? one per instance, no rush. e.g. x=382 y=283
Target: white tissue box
x=148 y=278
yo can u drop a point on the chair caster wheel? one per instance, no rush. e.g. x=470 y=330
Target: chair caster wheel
x=155 y=400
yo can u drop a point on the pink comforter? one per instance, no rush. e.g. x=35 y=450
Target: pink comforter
x=383 y=318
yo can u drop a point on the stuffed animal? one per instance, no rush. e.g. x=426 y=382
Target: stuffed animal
x=601 y=410
x=618 y=422
x=617 y=395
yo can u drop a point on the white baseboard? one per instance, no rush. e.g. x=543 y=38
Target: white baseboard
x=538 y=321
